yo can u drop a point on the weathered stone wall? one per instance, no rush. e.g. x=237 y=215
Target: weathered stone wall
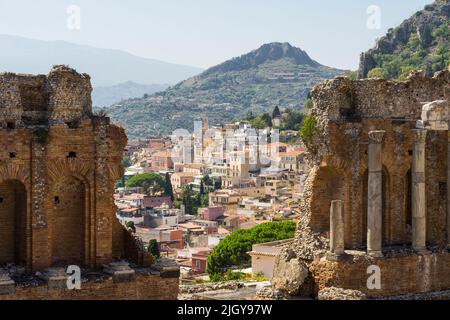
x=65 y=161
x=401 y=273
x=344 y=113
x=58 y=167
x=147 y=285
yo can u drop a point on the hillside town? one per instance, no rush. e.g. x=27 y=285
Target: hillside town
x=216 y=180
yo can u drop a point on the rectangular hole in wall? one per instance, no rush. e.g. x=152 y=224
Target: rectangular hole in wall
x=72 y=155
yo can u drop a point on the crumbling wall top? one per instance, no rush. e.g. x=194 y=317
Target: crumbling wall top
x=63 y=95
x=344 y=99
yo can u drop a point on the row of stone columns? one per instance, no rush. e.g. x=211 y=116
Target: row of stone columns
x=375 y=199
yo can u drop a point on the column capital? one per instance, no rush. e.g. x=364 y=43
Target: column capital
x=376 y=137
x=420 y=135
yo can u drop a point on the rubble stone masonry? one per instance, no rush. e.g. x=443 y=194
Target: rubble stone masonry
x=58 y=166
x=345 y=113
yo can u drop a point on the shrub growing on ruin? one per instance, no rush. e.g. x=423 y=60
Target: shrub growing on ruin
x=41 y=135
x=308 y=128
x=153 y=248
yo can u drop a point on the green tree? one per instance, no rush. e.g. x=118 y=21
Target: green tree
x=258 y=123
x=207 y=180
x=232 y=251
x=168 y=189
x=152 y=183
x=130 y=226
x=276 y=112
x=218 y=183
x=267 y=119
x=153 y=248
x=126 y=162
x=292 y=121
x=188 y=198
x=308 y=104
x=202 y=188
x=376 y=73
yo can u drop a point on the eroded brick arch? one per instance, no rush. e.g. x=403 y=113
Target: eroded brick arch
x=68 y=204
x=14 y=219
x=329 y=184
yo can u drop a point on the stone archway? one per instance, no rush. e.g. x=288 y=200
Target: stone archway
x=13 y=222
x=328 y=185
x=68 y=222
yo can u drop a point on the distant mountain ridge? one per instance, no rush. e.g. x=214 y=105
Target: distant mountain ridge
x=106 y=96
x=106 y=67
x=275 y=74
x=420 y=42
x=267 y=52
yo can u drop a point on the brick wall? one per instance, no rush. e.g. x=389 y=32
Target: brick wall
x=144 y=287
x=12 y=222
x=401 y=273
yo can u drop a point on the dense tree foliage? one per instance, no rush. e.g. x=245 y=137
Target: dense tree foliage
x=232 y=251
x=428 y=50
x=289 y=119
x=276 y=112
x=168 y=189
x=153 y=248
x=126 y=162
x=152 y=183
x=130 y=226
x=308 y=128
x=193 y=200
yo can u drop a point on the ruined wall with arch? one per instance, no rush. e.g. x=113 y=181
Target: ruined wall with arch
x=345 y=112
x=57 y=173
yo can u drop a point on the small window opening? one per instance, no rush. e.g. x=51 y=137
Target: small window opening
x=72 y=125
x=72 y=155
x=56 y=200
x=10 y=125
x=12 y=155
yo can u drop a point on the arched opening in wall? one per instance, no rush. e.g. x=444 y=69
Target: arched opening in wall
x=408 y=205
x=329 y=185
x=386 y=219
x=68 y=219
x=13 y=213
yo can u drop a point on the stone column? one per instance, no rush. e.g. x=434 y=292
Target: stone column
x=448 y=190
x=418 y=191
x=375 y=195
x=337 y=228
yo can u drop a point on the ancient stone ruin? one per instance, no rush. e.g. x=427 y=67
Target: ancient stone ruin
x=378 y=194
x=58 y=166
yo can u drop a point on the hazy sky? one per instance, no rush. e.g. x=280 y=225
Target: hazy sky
x=206 y=32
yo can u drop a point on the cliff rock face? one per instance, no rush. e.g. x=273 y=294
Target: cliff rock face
x=397 y=41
